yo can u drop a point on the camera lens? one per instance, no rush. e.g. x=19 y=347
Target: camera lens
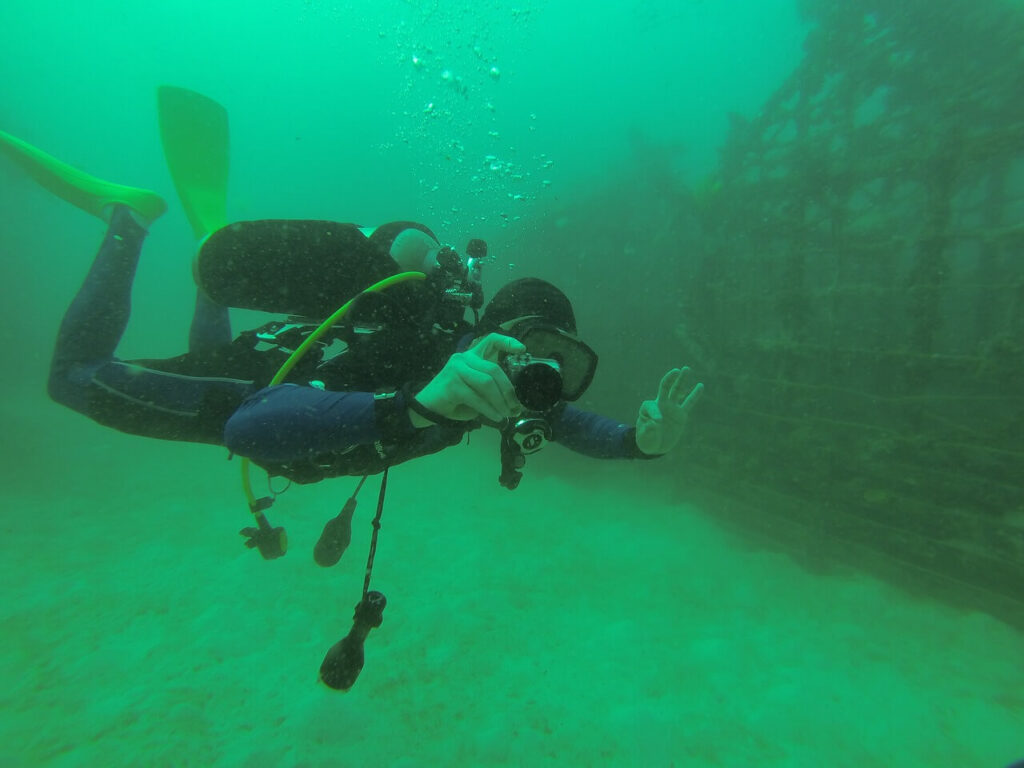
x=538 y=386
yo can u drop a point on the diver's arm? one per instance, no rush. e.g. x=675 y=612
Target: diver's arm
x=287 y=423
x=658 y=429
x=596 y=436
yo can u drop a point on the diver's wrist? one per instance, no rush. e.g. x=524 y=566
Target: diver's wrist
x=421 y=415
x=390 y=416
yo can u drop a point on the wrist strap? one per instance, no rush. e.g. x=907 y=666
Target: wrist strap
x=409 y=392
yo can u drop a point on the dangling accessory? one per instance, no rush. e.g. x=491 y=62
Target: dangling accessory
x=337 y=533
x=519 y=438
x=344 y=661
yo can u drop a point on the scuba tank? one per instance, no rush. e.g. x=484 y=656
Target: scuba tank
x=305 y=269
x=294 y=267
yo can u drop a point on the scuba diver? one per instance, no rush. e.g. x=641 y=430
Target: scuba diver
x=395 y=373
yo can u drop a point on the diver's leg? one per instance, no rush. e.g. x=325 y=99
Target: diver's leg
x=153 y=398
x=95 y=321
x=211 y=325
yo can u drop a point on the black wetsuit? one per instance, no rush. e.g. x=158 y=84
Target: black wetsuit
x=353 y=421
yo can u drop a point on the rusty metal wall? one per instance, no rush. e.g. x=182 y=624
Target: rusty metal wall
x=859 y=300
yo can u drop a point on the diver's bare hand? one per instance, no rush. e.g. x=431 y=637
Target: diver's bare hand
x=660 y=423
x=472 y=384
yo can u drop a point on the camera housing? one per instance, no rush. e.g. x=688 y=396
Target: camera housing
x=536 y=380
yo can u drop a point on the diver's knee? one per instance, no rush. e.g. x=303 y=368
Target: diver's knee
x=66 y=386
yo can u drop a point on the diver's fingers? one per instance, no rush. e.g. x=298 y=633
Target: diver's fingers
x=682 y=385
x=494 y=345
x=476 y=387
x=667 y=385
x=649 y=411
x=692 y=398
x=469 y=386
x=494 y=370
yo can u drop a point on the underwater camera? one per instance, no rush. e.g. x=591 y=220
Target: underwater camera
x=536 y=380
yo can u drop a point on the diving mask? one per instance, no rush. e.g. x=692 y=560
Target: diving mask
x=567 y=365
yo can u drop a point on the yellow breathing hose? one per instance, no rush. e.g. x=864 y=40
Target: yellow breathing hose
x=304 y=347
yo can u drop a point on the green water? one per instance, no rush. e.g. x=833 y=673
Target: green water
x=588 y=618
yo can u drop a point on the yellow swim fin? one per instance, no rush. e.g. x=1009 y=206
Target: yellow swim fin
x=194 y=132
x=77 y=187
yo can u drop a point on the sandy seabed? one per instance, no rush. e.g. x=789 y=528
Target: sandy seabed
x=582 y=620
